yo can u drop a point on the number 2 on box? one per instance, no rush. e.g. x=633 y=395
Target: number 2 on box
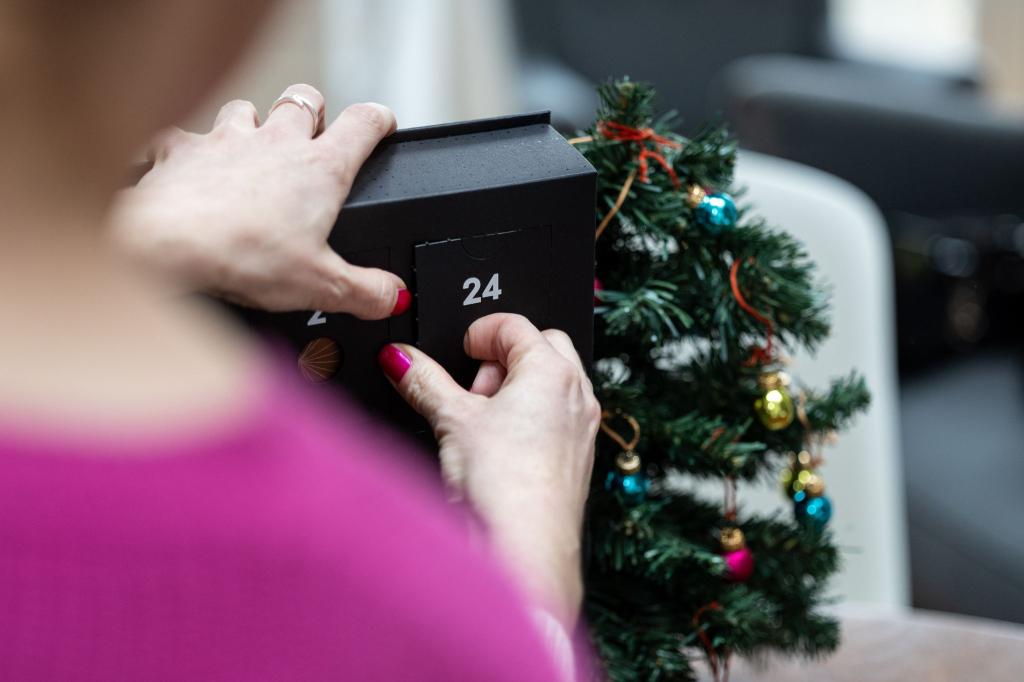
x=492 y=290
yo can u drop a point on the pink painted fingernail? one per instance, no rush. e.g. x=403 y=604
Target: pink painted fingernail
x=394 y=362
x=403 y=302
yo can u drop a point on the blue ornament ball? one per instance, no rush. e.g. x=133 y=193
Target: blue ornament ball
x=814 y=511
x=633 y=487
x=717 y=213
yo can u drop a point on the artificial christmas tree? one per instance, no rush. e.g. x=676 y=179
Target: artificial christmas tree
x=696 y=300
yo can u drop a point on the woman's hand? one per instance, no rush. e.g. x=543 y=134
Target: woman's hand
x=244 y=211
x=519 y=445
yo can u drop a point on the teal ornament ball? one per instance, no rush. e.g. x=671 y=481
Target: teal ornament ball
x=815 y=511
x=632 y=487
x=717 y=213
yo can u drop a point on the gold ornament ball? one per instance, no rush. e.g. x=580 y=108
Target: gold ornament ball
x=775 y=407
x=732 y=540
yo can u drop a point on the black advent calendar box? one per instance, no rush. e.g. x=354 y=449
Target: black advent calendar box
x=479 y=217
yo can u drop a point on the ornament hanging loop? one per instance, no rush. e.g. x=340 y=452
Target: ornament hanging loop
x=801 y=412
x=617 y=206
x=628 y=446
x=730 y=499
x=814 y=440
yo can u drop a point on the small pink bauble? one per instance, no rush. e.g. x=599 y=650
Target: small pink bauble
x=740 y=564
x=598 y=287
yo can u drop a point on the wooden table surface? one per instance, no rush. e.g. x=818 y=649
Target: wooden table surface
x=905 y=646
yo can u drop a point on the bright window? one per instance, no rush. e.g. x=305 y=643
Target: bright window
x=934 y=34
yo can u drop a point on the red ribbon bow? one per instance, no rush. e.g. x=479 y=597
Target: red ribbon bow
x=624 y=133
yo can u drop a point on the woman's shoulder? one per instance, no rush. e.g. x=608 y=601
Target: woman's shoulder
x=297 y=525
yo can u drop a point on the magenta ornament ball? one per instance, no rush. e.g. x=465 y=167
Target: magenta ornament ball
x=740 y=565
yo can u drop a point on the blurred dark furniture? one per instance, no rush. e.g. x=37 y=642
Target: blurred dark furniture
x=943 y=166
x=937 y=158
x=681 y=45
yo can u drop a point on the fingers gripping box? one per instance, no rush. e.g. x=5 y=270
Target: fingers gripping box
x=480 y=217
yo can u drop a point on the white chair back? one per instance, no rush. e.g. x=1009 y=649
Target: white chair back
x=846 y=236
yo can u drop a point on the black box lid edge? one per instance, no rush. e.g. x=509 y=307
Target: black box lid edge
x=591 y=172
x=483 y=125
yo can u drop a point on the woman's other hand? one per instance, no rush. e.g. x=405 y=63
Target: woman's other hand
x=245 y=210
x=519 y=445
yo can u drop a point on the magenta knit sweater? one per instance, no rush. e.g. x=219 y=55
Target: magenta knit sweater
x=290 y=544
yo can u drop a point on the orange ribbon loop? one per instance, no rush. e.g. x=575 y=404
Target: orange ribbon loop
x=704 y=639
x=759 y=356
